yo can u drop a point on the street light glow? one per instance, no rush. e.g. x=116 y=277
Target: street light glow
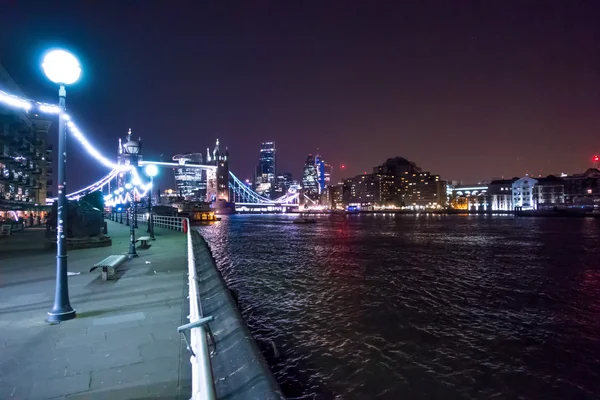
x=61 y=67
x=151 y=170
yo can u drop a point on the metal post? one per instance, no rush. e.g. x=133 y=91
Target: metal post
x=62 y=310
x=150 y=217
x=127 y=215
x=132 y=253
x=121 y=216
x=135 y=225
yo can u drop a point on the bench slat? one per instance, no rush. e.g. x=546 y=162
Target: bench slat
x=111 y=261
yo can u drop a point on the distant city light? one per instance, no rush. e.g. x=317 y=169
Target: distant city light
x=596 y=158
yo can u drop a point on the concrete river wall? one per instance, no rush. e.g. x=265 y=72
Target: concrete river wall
x=239 y=369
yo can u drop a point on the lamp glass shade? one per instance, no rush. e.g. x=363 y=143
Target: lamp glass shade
x=61 y=67
x=132 y=147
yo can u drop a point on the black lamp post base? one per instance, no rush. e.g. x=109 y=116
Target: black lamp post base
x=55 y=316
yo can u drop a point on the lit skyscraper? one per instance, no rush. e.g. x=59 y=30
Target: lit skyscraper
x=191 y=182
x=264 y=181
x=310 y=181
x=323 y=173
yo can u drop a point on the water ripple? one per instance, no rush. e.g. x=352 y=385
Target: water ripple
x=427 y=307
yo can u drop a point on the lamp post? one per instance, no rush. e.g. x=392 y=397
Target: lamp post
x=151 y=171
x=62 y=68
x=118 y=194
x=132 y=253
x=132 y=148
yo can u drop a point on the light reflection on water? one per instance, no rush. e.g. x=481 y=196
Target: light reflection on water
x=383 y=306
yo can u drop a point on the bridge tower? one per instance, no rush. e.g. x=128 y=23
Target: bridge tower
x=217 y=182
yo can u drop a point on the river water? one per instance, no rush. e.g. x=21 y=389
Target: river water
x=419 y=307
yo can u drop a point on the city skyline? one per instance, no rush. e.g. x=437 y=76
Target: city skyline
x=457 y=89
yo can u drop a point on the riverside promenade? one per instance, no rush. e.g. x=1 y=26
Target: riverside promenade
x=124 y=342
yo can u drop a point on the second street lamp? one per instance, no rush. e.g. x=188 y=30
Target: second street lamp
x=151 y=171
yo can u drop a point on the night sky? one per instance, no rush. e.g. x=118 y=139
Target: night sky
x=467 y=89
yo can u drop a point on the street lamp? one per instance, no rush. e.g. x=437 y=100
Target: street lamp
x=151 y=171
x=62 y=68
x=133 y=149
x=132 y=253
x=119 y=193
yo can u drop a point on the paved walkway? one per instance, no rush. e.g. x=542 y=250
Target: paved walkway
x=123 y=343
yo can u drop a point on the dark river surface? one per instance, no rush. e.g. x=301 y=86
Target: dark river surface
x=419 y=307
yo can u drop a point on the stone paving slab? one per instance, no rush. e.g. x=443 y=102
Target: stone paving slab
x=123 y=343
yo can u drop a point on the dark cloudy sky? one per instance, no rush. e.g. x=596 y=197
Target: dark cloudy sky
x=467 y=89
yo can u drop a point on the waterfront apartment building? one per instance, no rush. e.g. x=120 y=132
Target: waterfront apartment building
x=282 y=184
x=500 y=192
x=423 y=190
x=471 y=197
x=525 y=193
x=25 y=157
x=583 y=190
x=397 y=182
x=368 y=190
x=549 y=192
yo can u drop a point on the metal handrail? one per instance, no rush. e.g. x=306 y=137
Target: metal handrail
x=202 y=378
x=161 y=221
x=203 y=387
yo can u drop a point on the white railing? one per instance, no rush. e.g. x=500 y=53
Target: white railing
x=160 y=221
x=203 y=387
x=202 y=378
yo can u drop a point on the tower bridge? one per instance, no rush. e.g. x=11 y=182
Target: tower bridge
x=222 y=184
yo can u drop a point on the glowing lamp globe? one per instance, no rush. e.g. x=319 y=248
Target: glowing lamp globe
x=151 y=170
x=61 y=67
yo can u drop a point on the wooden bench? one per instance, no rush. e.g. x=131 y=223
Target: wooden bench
x=109 y=266
x=144 y=241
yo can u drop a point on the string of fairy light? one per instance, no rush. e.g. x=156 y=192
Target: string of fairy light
x=120 y=196
x=28 y=105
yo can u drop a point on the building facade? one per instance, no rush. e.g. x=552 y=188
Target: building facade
x=500 y=192
x=583 y=190
x=310 y=181
x=369 y=190
x=548 y=192
x=25 y=157
x=190 y=181
x=266 y=170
